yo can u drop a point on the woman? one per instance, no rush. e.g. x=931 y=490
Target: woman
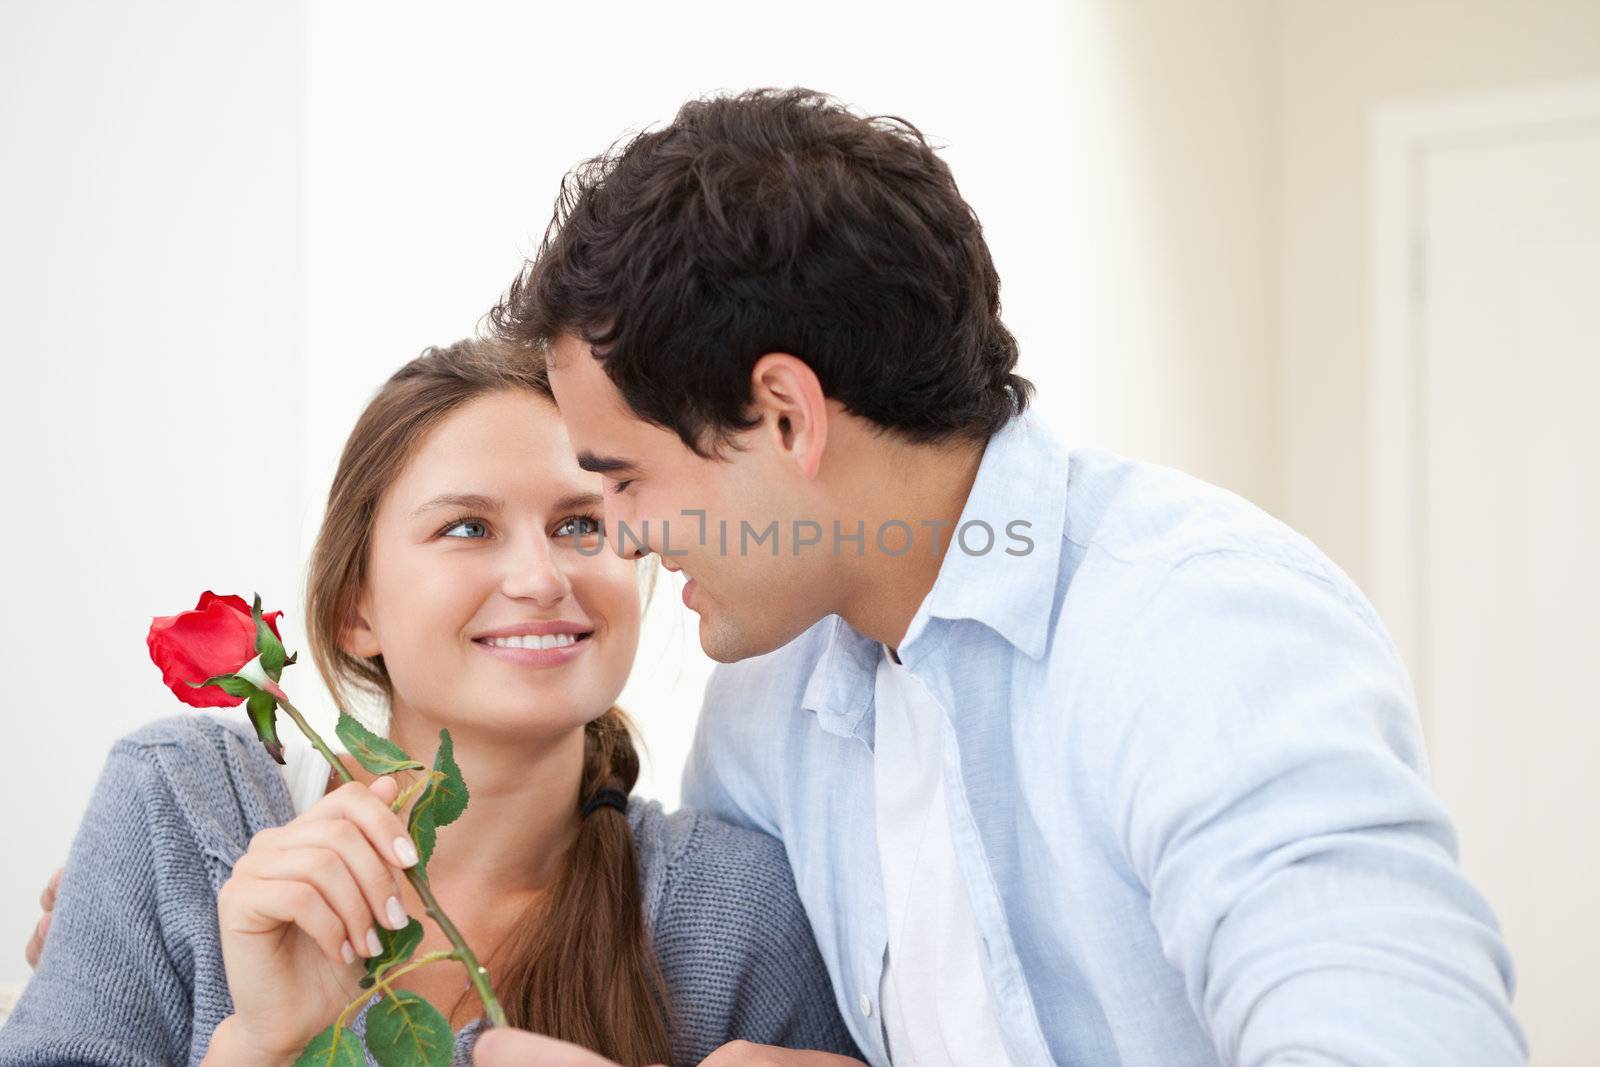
x=207 y=915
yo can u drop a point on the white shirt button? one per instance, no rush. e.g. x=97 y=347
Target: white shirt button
x=866 y=1005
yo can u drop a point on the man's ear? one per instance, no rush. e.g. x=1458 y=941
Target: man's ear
x=786 y=396
x=357 y=638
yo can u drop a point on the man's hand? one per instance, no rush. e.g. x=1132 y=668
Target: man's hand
x=47 y=901
x=516 y=1048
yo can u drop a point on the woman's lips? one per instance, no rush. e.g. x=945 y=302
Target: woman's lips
x=537 y=657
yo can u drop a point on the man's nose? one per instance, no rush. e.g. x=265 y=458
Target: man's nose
x=624 y=534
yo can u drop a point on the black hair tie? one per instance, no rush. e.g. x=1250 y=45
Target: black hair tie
x=606 y=798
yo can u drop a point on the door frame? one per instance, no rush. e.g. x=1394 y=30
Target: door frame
x=1402 y=136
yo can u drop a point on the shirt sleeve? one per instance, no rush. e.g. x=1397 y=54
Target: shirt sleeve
x=113 y=984
x=1269 y=788
x=724 y=766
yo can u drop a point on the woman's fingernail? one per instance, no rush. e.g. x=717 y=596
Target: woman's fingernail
x=397 y=914
x=347 y=952
x=374 y=946
x=405 y=852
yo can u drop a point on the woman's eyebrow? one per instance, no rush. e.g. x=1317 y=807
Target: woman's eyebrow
x=582 y=501
x=475 y=501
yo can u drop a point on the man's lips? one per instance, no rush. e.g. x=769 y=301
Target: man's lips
x=688 y=585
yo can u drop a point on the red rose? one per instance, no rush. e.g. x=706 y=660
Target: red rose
x=217 y=637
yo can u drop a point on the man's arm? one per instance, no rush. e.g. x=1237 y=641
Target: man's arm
x=723 y=773
x=1271 y=794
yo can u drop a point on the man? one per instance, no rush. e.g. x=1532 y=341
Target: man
x=1076 y=760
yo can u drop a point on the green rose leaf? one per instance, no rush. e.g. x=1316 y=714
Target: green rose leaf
x=423 y=833
x=447 y=796
x=263 y=711
x=331 y=1048
x=403 y=1030
x=398 y=946
x=377 y=754
x=273 y=658
x=231 y=684
x=441 y=803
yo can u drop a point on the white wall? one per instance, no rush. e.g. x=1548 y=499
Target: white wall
x=1176 y=274
x=1337 y=62
x=151 y=310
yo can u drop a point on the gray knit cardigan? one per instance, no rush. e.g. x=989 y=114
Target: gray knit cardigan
x=132 y=971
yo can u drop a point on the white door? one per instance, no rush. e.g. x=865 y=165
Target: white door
x=1502 y=345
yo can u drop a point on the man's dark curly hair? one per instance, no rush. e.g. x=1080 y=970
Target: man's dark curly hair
x=775 y=221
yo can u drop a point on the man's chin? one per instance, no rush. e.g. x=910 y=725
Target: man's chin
x=724 y=640
x=718 y=643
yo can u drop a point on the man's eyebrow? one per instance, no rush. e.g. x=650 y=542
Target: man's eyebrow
x=606 y=464
x=474 y=501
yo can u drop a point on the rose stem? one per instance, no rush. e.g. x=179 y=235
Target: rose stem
x=383 y=985
x=477 y=974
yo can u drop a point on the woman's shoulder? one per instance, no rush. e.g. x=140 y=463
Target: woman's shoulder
x=133 y=968
x=732 y=936
x=215 y=774
x=717 y=895
x=187 y=730
x=199 y=741
x=685 y=848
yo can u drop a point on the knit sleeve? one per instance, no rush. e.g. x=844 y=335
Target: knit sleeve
x=114 y=985
x=738 y=951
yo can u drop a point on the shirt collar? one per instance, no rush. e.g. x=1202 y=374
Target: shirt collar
x=1020 y=492
x=839 y=690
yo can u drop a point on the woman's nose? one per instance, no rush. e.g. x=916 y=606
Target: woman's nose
x=536 y=574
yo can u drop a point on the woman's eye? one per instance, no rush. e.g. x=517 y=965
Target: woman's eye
x=579 y=526
x=463 y=524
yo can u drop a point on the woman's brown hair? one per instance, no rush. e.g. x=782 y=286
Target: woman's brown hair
x=577 y=966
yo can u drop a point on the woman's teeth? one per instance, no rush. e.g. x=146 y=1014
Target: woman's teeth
x=532 y=641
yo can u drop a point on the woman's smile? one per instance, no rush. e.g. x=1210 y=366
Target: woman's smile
x=552 y=646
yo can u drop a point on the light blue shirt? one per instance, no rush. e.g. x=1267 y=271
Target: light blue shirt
x=1184 y=775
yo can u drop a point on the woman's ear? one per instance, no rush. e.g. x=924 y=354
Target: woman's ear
x=358 y=638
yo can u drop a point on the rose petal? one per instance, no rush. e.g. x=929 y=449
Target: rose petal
x=215 y=638
x=239 y=603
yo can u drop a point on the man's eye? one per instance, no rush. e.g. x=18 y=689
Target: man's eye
x=622 y=485
x=579 y=526
x=462 y=524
